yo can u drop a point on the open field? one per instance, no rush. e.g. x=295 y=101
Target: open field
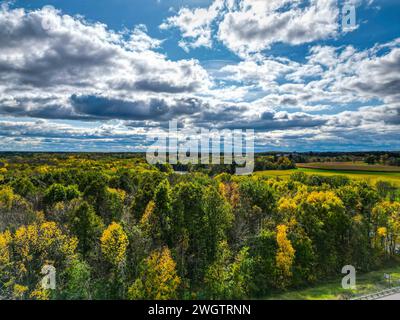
x=348 y=166
x=366 y=283
x=370 y=176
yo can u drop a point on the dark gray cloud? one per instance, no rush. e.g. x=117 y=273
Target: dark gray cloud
x=155 y=85
x=154 y=109
x=278 y=122
x=116 y=108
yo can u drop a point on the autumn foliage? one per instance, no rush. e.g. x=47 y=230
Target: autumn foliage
x=115 y=227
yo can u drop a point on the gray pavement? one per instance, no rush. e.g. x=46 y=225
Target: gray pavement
x=395 y=296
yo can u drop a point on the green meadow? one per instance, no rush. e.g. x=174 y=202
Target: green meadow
x=367 y=283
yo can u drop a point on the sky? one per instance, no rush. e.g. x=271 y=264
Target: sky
x=101 y=75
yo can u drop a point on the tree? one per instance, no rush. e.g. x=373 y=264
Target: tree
x=158 y=279
x=217 y=276
x=58 y=193
x=284 y=256
x=15 y=211
x=287 y=210
x=262 y=250
x=156 y=220
x=187 y=228
x=78 y=281
x=386 y=189
x=29 y=249
x=386 y=220
x=226 y=279
x=323 y=216
x=304 y=260
x=87 y=226
x=190 y=236
x=23 y=186
x=242 y=274
x=217 y=220
x=138 y=250
x=370 y=159
x=6 y=263
x=112 y=204
x=162 y=210
x=114 y=243
x=258 y=193
x=146 y=185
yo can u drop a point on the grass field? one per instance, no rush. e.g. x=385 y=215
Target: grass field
x=370 y=173
x=348 y=166
x=332 y=290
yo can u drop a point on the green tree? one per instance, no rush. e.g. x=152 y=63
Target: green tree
x=87 y=226
x=23 y=186
x=263 y=249
x=58 y=193
x=217 y=276
x=78 y=281
x=217 y=220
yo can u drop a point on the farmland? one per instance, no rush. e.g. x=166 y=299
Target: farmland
x=358 y=171
x=349 y=166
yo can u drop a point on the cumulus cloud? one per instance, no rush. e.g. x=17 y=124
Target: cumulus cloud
x=43 y=52
x=249 y=26
x=262 y=72
x=336 y=76
x=195 y=25
x=256 y=25
x=59 y=67
x=377 y=76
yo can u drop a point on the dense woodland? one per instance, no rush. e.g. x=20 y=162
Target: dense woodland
x=115 y=227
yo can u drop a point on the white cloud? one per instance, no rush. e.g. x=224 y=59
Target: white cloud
x=55 y=66
x=250 y=26
x=263 y=72
x=140 y=41
x=47 y=57
x=195 y=25
x=259 y=24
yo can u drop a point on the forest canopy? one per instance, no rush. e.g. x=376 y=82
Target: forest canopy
x=115 y=227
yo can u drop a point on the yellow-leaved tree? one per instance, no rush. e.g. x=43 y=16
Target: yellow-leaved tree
x=386 y=220
x=5 y=256
x=284 y=256
x=158 y=279
x=114 y=243
x=24 y=254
